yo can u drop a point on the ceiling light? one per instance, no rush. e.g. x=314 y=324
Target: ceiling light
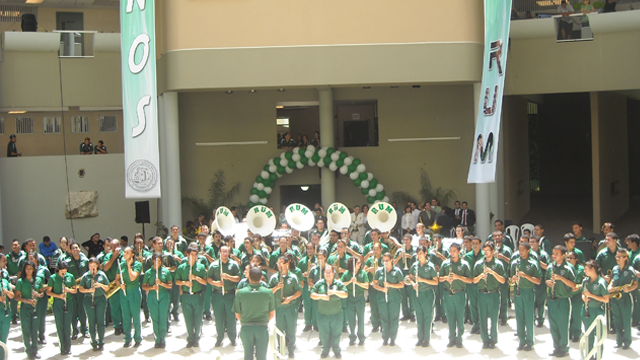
x=394 y=86
x=253 y=91
x=279 y=107
x=17 y=112
x=228 y=92
x=281 y=90
x=366 y=87
x=304 y=188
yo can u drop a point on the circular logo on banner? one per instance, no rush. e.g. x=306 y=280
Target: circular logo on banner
x=142 y=175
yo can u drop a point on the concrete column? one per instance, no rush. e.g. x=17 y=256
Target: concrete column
x=6 y=246
x=163 y=201
x=328 y=181
x=482 y=206
x=496 y=189
x=171 y=193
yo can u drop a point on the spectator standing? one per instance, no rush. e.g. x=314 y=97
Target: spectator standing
x=86 y=148
x=316 y=139
x=93 y=246
x=408 y=221
x=12 y=151
x=468 y=218
x=610 y=6
x=47 y=249
x=100 y=148
x=566 y=22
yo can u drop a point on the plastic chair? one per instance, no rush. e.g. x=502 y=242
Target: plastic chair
x=513 y=231
x=527 y=226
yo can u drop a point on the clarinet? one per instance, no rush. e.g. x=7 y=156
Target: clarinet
x=221 y=279
x=486 y=280
x=190 y=273
x=519 y=268
x=417 y=279
x=354 y=285
x=450 y=284
x=158 y=291
x=64 y=293
x=386 y=293
x=33 y=295
x=586 y=305
x=93 y=294
x=553 y=287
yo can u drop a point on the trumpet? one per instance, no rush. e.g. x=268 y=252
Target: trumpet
x=616 y=292
x=404 y=257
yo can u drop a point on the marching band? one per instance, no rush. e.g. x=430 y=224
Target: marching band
x=329 y=277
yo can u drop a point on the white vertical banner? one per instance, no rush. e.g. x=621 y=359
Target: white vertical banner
x=497 y=15
x=139 y=99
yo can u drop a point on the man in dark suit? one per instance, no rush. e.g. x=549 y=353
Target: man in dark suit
x=428 y=216
x=457 y=213
x=468 y=217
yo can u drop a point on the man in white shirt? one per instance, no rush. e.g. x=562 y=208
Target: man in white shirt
x=357 y=225
x=565 y=22
x=415 y=211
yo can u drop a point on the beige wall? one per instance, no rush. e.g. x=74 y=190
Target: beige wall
x=41 y=144
x=35 y=208
x=191 y=24
x=543 y=66
x=430 y=111
x=515 y=139
x=610 y=156
x=103 y=20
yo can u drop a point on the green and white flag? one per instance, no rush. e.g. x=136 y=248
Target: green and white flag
x=497 y=14
x=139 y=99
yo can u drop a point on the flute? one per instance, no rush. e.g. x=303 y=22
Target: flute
x=586 y=303
x=190 y=273
x=124 y=290
x=221 y=279
x=386 y=293
x=354 y=285
x=417 y=279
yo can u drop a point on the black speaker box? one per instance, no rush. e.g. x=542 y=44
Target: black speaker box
x=29 y=22
x=142 y=212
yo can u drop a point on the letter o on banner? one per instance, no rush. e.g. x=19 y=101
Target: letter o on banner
x=140 y=39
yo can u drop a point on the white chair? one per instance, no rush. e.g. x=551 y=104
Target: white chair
x=452 y=233
x=527 y=226
x=513 y=231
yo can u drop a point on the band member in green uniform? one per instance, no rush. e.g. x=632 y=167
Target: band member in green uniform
x=61 y=287
x=157 y=281
x=372 y=263
x=424 y=279
x=223 y=275
x=526 y=275
x=131 y=298
x=179 y=241
x=356 y=281
x=623 y=281
x=540 y=290
x=375 y=239
x=329 y=293
x=489 y=275
x=254 y=307
x=577 y=305
x=210 y=255
x=244 y=281
x=172 y=259
x=141 y=254
x=110 y=266
x=594 y=294
x=474 y=257
x=78 y=265
x=633 y=243
x=316 y=274
x=437 y=254
x=94 y=284
x=191 y=276
x=6 y=294
x=403 y=260
x=305 y=265
x=14 y=260
x=455 y=274
x=42 y=276
x=390 y=282
x=570 y=244
x=286 y=289
x=559 y=277
x=27 y=292
x=503 y=253
x=339 y=261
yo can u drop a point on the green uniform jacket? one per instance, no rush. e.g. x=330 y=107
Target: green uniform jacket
x=530 y=267
x=361 y=277
x=343 y=261
x=5 y=284
x=460 y=268
x=606 y=260
x=180 y=244
x=291 y=286
x=136 y=266
x=14 y=261
x=78 y=267
x=492 y=283
x=113 y=271
x=150 y=279
x=624 y=276
x=100 y=278
x=401 y=262
x=426 y=271
x=579 y=271
x=394 y=276
x=254 y=303
x=369 y=263
x=273 y=259
x=597 y=287
x=24 y=286
x=182 y=274
x=303 y=265
x=230 y=267
x=565 y=270
x=55 y=283
x=434 y=259
x=334 y=305
x=369 y=248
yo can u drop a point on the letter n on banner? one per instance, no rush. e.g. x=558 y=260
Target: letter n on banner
x=497 y=14
x=139 y=99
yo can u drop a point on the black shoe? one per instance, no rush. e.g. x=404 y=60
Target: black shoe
x=101 y=347
x=324 y=356
x=617 y=346
x=485 y=345
x=419 y=343
x=320 y=343
x=233 y=343
x=338 y=356
x=147 y=320
x=119 y=332
x=468 y=321
x=451 y=344
x=42 y=342
x=392 y=342
x=437 y=318
x=520 y=347
x=612 y=331
x=475 y=331
x=539 y=324
x=74 y=337
x=492 y=345
x=168 y=330
x=208 y=317
x=459 y=344
x=95 y=347
x=425 y=344
x=625 y=347
x=575 y=340
x=307 y=328
x=528 y=347
x=444 y=319
x=14 y=321
x=385 y=343
x=406 y=317
x=292 y=355
x=218 y=343
x=315 y=328
x=352 y=342
x=412 y=319
x=375 y=329
x=515 y=333
x=137 y=344
x=189 y=345
x=553 y=353
x=345 y=330
x=197 y=344
x=361 y=343
x=163 y=345
x=127 y=344
x=503 y=322
x=561 y=354
x=176 y=318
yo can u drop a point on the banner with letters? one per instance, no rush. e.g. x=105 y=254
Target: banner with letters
x=139 y=99
x=497 y=14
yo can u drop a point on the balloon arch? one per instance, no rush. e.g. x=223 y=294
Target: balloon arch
x=298 y=158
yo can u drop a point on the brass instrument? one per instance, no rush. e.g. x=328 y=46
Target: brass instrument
x=78 y=281
x=404 y=257
x=113 y=288
x=407 y=280
x=616 y=292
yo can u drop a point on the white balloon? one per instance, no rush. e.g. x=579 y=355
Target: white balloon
x=354 y=175
x=344 y=170
x=268 y=190
x=264 y=174
x=299 y=165
x=260 y=187
x=379 y=187
x=264 y=201
x=361 y=168
x=348 y=160
x=311 y=163
x=320 y=163
x=296 y=157
x=323 y=152
x=283 y=159
x=311 y=148
x=386 y=199
x=369 y=176
x=279 y=175
x=271 y=162
x=272 y=168
x=335 y=156
x=295 y=150
x=372 y=193
x=377 y=201
x=289 y=170
x=254 y=198
x=255 y=185
x=333 y=166
x=364 y=184
x=308 y=154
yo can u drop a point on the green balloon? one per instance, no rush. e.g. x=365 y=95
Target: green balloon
x=364 y=191
x=288 y=155
x=343 y=155
x=330 y=151
x=315 y=158
x=280 y=170
x=357 y=182
x=356 y=162
x=379 y=196
x=267 y=183
x=266 y=168
x=339 y=163
x=373 y=183
x=267 y=196
x=261 y=194
x=363 y=176
x=371 y=199
x=383 y=194
x=304 y=160
x=301 y=151
x=250 y=205
x=254 y=191
x=327 y=160
x=352 y=168
x=273 y=177
x=292 y=164
x=259 y=179
x=276 y=161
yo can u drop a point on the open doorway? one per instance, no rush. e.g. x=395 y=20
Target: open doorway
x=307 y=195
x=298 y=124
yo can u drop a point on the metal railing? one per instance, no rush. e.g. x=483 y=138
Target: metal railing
x=598 y=325
x=550 y=6
x=278 y=344
x=6 y=350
